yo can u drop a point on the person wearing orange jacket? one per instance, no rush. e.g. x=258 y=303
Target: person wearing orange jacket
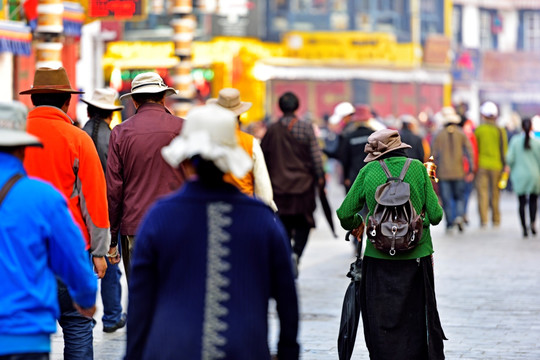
x=70 y=162
x=256 y=183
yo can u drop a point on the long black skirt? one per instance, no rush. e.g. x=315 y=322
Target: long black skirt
x=399 y=310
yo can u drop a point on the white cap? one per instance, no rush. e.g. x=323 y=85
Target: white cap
x=489 y=110
x=340 y=111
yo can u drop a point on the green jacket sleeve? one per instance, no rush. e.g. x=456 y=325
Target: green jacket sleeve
x=348 y=212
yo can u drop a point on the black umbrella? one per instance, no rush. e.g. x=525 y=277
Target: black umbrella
x=327 y=211
x=350 y=312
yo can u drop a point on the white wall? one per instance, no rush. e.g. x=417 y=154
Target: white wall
x=509 y=35
x=470 y=27
x=6 y=74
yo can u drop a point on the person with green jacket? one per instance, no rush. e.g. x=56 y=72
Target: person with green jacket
x=492 y=146
x=399 y=310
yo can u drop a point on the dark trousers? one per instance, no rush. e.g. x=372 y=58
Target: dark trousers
x=77 y=329
x=111 y=294
x=33 y=356
x=128 y=242
x=532 y=201
x=298 y=229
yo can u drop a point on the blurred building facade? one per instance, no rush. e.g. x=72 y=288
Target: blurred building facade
x=496 y=55
x=390 y=54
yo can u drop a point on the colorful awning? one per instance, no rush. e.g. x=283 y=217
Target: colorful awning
x=15 y=37
x=73 y=19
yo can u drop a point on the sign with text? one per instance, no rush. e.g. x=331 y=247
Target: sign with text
x=132 y=10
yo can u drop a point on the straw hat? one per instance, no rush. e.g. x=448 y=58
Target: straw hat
x=450 y=116
x=13 y=125
x=149 y=83
x=382 y=142
x=104 y=99
x=49 y=81
x=340 y=111
x=229 y=98
x=209 y=131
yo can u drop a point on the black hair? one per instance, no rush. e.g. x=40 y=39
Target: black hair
x=288 y=103
x=526 y=125
x=208 y=172
x=52 y=99
x=94 y=111
x=142 y=98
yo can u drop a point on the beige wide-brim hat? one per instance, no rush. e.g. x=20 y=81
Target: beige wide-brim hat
x=13 y=125
x=50 y=81
x=104 y=99
x=229 y=98
x=382 y=142
x=209 y=131
x=149 y=83
x=449 y=115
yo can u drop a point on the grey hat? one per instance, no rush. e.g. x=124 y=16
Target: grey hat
x=13 y=126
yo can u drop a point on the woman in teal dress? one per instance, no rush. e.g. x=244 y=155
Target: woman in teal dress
x=523 y=161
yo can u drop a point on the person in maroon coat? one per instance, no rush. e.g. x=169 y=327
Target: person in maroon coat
x=136 y=173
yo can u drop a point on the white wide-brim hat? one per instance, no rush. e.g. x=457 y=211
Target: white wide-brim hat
x=149 y=83
x=104 y=99
x=210 y=132
x=13 y=125
x=340 y=111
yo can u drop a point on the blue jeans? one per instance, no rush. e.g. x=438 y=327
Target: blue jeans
x=111 y=294
x=77 y=328
x=452 y=199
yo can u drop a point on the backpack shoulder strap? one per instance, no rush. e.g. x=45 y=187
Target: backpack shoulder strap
x=404 y=169
x=8 y=185
x=385 y=168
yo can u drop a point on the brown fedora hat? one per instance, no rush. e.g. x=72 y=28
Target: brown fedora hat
x=47 y=81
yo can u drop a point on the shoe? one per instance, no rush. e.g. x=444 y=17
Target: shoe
x=459 y=223
x=533 y=230
x=525 y=234
x=120 y=324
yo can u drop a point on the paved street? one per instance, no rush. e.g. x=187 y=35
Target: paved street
x=487 y=284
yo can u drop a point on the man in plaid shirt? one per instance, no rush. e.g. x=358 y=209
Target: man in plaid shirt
x=294 y=162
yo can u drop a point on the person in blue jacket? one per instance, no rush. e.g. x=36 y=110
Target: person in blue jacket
x=208 y=259
x=39 y=241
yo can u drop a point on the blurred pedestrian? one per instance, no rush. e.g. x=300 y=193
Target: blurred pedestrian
x=523 y=160
x=409 y=135
x=397 y=296
x=492 y=145
x=70 y=162
x=136 y=173
x=294 y=162
x=100 y=111
x=38 y=241
x=256 y=183
x=449 y=148
x=208 y=258
x=468 y=128
x=352 y=144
